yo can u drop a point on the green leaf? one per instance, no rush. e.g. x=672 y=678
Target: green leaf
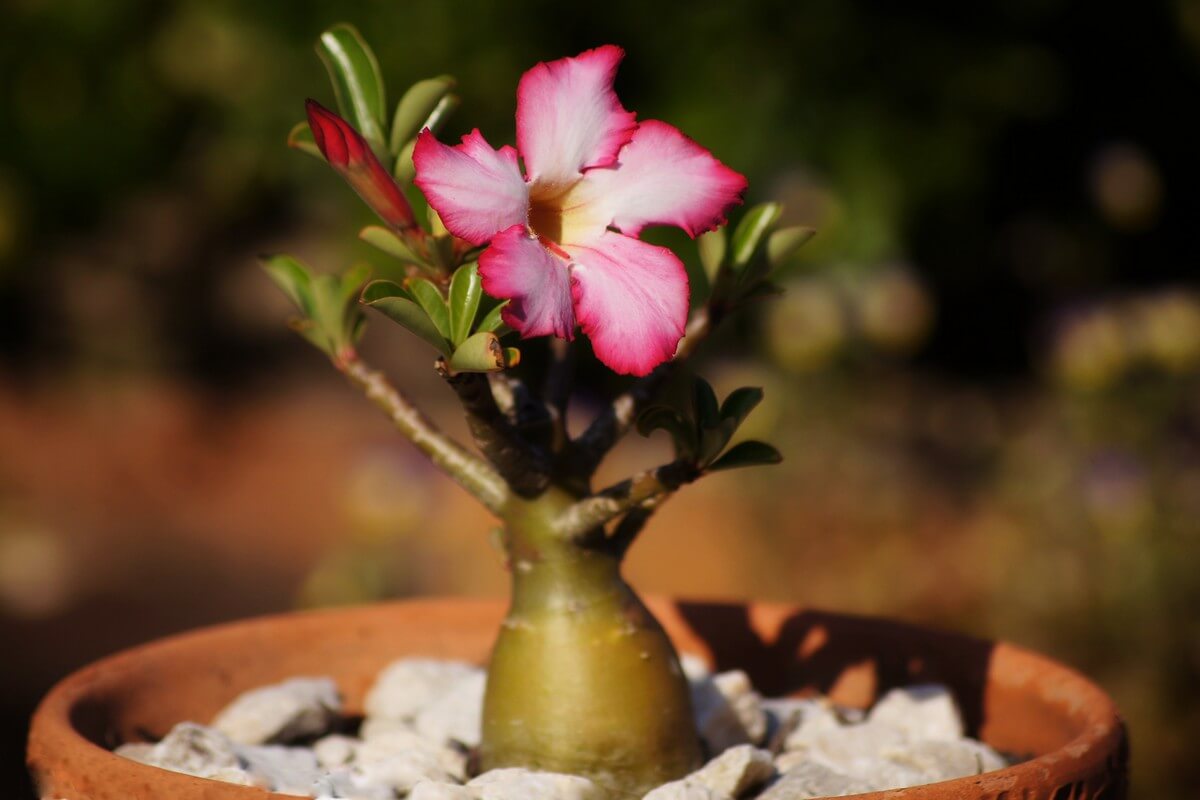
x=704 y=402
x=394 y=302
x=414 y=109
x=445 y=107
x=479 y=353
x=682 y=433
x=747 y=454
x=356 y=79
x=300 y=138
x=740 y=403
x=429 y=298
x=389 y=242
x=750 y=231
x=466 y=290
x=493 y=321
x=785 y=242
x=712 y=247
x=714 y=439
x=404 y=169
x=293 y=278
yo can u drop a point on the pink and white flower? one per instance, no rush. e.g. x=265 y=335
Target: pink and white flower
x=563 y=246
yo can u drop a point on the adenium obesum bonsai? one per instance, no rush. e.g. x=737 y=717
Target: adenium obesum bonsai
x=542 y=241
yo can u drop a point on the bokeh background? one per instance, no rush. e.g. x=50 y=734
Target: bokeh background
x=984 y=376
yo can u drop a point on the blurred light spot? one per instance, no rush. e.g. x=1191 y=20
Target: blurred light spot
x=385 y=497
x=806 y=328
x=1116 y=493
x=1090 y=351
x=895 y=311
x=1126 y=187
x=1168 y=330
x=35 y=573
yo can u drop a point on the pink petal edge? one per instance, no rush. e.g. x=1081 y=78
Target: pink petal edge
x=476 y=190
x=516 y=267
x=569 y=118
x=631 y=299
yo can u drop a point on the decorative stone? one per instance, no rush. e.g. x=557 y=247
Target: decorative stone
x=852 y=749
x=195 y=749
x=694 y=667
x=288 y=770
x=457 y=715
x=523 y=784
x=809 y=779
x=736 y=771
x=373 y=727
x=942 y=760
x=401 y=771
x=400 y=741
x=428 y=790
x=282 y=712
x=343 y=782
x=924 y=712
x=684 y=790
x=406 y=687
x=787 y=715
x=728 y=711
x=335 y=750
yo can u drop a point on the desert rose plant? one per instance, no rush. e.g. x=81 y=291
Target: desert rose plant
x=493 y=247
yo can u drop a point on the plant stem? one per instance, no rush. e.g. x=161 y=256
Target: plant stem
x=646 y=487
x=615 y=421
x=470 y=472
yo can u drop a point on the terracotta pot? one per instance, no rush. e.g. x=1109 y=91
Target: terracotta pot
x=1017 y=701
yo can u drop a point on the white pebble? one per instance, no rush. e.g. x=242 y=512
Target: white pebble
x=924 y=712
x=282 y=712
x=457 y=715
x=407 y=686
x=523 y=784
x=728 y=711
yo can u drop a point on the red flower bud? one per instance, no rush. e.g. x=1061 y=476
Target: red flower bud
x=348 y=152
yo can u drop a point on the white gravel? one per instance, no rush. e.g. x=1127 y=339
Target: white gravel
x=423 y=720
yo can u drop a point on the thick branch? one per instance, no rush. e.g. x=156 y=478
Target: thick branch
x=470 y=472
x=525 y=467
x=615 y=421
x=645 y=488
x=627 y=530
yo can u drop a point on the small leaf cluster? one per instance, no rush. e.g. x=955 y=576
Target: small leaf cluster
x=702 y=432
x=362 y=100
x=739 y=268
x=450 y=322
x=331 y=318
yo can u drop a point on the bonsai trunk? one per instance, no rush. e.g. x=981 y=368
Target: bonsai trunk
x=582 y=679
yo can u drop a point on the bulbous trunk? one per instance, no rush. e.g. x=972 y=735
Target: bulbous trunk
x=583 y=679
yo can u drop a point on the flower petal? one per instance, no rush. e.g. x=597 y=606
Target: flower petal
x=664 y=178
x=569 y=118
x=516 y=267
x=477 y=191
x=631 y=299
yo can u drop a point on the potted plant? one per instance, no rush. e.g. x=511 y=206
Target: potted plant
x=543 y=241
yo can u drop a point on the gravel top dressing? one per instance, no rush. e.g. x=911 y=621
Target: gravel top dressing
x=422 y=724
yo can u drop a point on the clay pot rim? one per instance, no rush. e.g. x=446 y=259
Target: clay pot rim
x=1104 y=730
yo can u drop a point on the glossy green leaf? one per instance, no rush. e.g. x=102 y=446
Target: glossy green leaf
x=757 y=222
x=357 y=81
x=430 y=298
x=414 y=109
x=785 y=242
x=479 y=353
x=441 y=112
x=740 y=403
x=404 y=170
x=466 y=290
x=394 y=302
x=493 y=321
x=747 y=454
x=300 y=138
x=712 y=246
x=389 y=242
x=293 y=278
x=713 y=440
x=704 y=402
